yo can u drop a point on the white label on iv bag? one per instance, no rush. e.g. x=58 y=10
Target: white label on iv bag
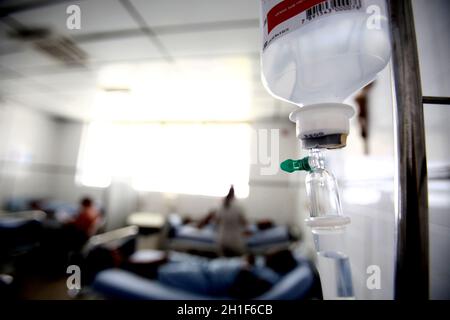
x=284 y=16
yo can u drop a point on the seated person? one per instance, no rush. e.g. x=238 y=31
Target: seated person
x=84 y=225
x=88 y=218
x=60 y=242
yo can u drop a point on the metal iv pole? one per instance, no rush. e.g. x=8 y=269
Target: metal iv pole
x=412 y=256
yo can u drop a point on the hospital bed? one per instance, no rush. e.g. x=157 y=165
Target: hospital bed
x=183 y=237
x=300 y=283
x=19 y=232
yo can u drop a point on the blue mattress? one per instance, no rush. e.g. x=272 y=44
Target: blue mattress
x=278 y=234
x=205 y=235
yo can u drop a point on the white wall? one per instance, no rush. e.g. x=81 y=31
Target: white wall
x=67 y=148
x=38 y=155
x=26 y=150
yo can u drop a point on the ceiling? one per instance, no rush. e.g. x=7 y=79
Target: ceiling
x=136 y=35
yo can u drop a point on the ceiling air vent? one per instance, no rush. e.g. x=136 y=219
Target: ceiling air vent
x=59 y=47
x=62 y=49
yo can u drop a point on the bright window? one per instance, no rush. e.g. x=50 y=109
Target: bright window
x=200 y=159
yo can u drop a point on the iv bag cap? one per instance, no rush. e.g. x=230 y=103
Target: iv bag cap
x=318 y=123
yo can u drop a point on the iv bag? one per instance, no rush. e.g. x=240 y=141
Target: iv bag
x=316 y=52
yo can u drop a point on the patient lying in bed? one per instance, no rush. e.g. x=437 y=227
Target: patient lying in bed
x=240 y=278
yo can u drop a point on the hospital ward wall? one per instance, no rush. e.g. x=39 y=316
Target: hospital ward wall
x=38 y=155
x=26 y=152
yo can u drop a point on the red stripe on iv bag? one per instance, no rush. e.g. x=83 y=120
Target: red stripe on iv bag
x=286 y=10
